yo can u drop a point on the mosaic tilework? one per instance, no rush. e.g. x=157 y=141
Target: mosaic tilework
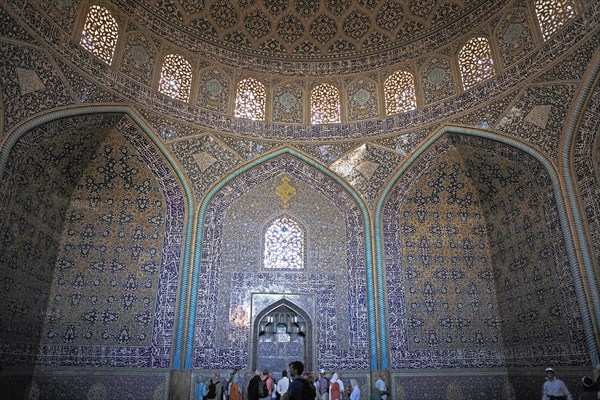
x=574 y=65
x=61 y=11
x=488 y=116
x=83 y=90
x=232 y=225
x=408 y=247
x=38 y=209
x=139 y=57
x=405 y=144
x=305 y=21
x=288 y=103
x=498 y=386
x=514 y=36
x=214 y=90
x=326 y=153
x=103 y=293
x=205 y=161
x=367 y=168
x=436 y=78
x=9 y=28
x=586 y=159
x=248 y=149
x=231 y=57
x=50 y=385
x=17 y=107
x=362 y=100
x=142 y=280
x=537 y=116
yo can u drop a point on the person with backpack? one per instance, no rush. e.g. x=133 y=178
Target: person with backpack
x=215 y=388
x=300 y=388
x=253 y=387
x=265 y=386
x=200 y=390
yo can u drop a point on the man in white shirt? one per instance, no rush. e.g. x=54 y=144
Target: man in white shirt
x=380 y=384
x=283 y=384
x=555 y=389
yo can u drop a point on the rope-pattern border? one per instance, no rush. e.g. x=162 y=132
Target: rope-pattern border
x=566 y=168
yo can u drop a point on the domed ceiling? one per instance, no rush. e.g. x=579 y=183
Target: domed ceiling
x=310 y=28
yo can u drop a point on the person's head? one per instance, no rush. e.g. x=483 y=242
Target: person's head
x=296 y=368
x=257 y=372
x=549 y=373
x=265 y=372
x=353 y=383
x=283 y=373
x=322 y=372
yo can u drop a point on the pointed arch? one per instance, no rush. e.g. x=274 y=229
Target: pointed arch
x=310 y=351
x=201 y=217
x=564 y=223
x=22 y=129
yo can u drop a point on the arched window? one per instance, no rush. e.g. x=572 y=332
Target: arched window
x=283 y=244
x=251 y=99
x=475 y=62
x=176 y=77
x=100 y=32
x=399 y=89
x=553 y=14
x=325 y=104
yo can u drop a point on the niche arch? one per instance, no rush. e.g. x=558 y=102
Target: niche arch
x=561 y=220
x=306 y=328
x=127 y=123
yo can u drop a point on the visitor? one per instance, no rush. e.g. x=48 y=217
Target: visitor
x=253 y=386
x=554 y=388
x=355 y=393
x=235 y=391
x=283 y=384
x=336 y=387
x=380 y=384
x=324 y=386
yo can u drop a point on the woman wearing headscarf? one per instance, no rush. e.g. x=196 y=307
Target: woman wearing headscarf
x=355 y=394
x=235 y=391
x=336 y=387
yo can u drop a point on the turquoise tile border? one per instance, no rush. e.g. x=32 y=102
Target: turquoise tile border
x=198 y=251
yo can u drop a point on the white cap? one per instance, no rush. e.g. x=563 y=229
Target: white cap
x=322 y=371
x=549 y=370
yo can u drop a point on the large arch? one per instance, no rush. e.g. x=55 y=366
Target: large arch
x=277 y=162
x=562 y=217
x=179 y=206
